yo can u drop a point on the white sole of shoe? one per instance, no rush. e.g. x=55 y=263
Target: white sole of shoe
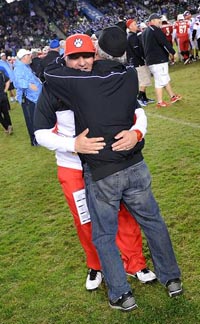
x=175 y=293
x=128 y=309
x=142 y=281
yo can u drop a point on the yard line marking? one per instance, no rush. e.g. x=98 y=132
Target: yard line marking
x=177 y=121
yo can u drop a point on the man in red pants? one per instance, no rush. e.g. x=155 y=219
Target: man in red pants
x=181 y=34
x=57 y=132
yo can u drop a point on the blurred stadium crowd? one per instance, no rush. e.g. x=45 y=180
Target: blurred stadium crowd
x=29 y=23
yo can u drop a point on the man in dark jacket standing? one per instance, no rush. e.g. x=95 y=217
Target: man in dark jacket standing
x=54 y=48
x=157 y=50
x=4 y=112
x=135 y=56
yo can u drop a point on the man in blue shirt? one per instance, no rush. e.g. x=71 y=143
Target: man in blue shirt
x=28 y=88
x=9 y=71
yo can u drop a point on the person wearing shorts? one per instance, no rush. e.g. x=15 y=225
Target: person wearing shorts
x=157 y=50
x=135 y=56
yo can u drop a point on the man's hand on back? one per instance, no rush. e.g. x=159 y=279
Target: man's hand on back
x=126 y=140
x=86 y=145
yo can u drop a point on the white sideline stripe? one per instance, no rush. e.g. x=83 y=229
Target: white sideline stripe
x=177 y=121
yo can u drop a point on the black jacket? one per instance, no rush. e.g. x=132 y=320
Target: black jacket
x=156 y=46
x=49 y=58
x=3 y=80
x=103 y=100
x=135 y=53
x=35 y=66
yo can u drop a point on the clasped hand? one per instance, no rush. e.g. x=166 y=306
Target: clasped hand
x=126 y=140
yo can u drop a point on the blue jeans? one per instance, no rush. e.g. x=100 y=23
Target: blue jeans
x=133 y=186
x=28 y=108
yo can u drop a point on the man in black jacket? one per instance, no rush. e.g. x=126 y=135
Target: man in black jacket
x=104 y=101
x=135 y=56
x=53 y=53
x=5 y=119
x=157 y=50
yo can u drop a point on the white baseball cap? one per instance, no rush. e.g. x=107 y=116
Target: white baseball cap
x=3 y=54
x=22 y=52
x=164 y=18
x=143 y=25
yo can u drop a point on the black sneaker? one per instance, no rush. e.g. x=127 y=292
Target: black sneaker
x=174 y=287
x=125 y=303
x=142 y=103
x=34 y=142
x=149 y=100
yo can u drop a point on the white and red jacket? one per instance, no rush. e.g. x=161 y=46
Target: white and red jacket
x=61 y=138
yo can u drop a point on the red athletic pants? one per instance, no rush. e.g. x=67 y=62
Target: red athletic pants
x=184 y=45
x=129 y=239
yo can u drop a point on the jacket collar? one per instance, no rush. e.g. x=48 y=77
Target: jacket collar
x=107 y=66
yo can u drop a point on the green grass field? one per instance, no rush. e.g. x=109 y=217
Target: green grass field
x=42 y=266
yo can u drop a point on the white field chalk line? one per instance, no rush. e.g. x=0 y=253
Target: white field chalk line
x=177 y=121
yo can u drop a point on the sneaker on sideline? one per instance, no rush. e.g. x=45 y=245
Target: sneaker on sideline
x=10 y=130
x=125 y=303
x=175 y=98
x=142 y=103
x=149 y=101
x=187 y=61
x=94 y=279
x=34 y=142
x=144 y=275
x=162 y=104
x=174 y=287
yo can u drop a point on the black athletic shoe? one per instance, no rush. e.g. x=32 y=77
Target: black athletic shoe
x=174 y=287
x=149 y=100
x=125 y=303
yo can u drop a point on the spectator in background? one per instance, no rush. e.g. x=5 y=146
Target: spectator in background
x=135 y=56
x=5 y=119
x=45 y=51
x=9 y=69
x=62 y=47
x=53 y=53
x=196 y=33
x=157 y=50
x=36 y=60
x=2 y=69
x=122 y=23
x=28 y=88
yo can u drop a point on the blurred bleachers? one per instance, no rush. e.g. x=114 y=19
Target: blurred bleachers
x=34 y=23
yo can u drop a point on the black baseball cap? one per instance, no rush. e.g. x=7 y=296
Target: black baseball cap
x=154 y=16
x=113 y=41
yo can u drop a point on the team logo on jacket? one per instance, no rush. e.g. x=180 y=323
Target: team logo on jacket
x=78 y=42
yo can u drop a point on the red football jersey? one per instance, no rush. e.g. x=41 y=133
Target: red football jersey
x=182 y=28
x=167 y=30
